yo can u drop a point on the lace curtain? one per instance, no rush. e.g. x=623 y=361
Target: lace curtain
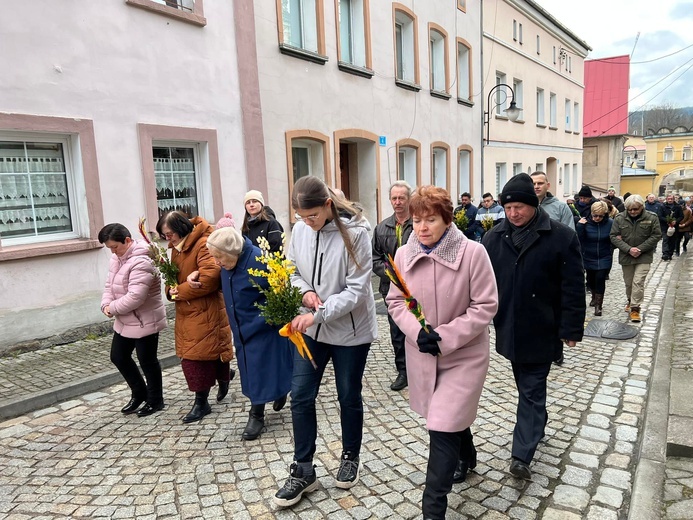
x=34 y=198
x=174 y=170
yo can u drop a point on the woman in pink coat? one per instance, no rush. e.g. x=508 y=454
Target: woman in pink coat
x=133 y=297
x=452 y=279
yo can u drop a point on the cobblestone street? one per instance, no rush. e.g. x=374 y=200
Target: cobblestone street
x=83 y=459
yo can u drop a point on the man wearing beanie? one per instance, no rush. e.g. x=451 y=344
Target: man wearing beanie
x=541 y=291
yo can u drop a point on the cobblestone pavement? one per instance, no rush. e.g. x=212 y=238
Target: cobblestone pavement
x=83 y=459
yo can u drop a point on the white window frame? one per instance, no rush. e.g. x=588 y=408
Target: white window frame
x=405 y=47
x=464 y=171
x=520 y=33
x=307 y=20
x=514 y=30
x=501 y=176
x=686 y=153
x=541 y=107
x=553 y=109
x=519 y=95
x=316 y=156
x=538 y=44
x=568 y=115
x=463 y=72
x=539 y=167
x=203 y=186
x=668 y=153
x=437 y=59
x=408 y=157
x=502 y=94
x=352 y=38
x=439 y=167
x=554 y=54
x=74 y=179
x=574 y=186
x=576 y=117
x=517 y=168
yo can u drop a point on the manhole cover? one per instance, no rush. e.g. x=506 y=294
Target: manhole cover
x=609 y=329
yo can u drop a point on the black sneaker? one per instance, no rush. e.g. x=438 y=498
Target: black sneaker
x=293 y=489
x=348 y=473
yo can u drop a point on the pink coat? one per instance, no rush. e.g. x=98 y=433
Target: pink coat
x=456 y=288
x=133 y=292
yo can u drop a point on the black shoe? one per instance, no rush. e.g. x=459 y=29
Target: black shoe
x=463 y=467
x=256 y=422
x=149 y=409
x=199 y=409
x=293 y=489
x=279 y=404
x=132 y=406
x=520 y=469
x=223 y=390
x=400 y=382
x=348 y=472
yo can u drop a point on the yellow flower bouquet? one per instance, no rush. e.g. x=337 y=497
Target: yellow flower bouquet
x=487 y=222
x=283 y=301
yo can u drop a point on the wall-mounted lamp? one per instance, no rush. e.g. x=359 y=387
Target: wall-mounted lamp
x=512 y=112
x=635 y=156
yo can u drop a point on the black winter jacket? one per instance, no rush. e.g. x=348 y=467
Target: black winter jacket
x=270 y=229
x=385 y=243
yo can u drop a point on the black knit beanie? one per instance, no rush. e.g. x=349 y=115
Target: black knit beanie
x=585 y=191
x=519 y=188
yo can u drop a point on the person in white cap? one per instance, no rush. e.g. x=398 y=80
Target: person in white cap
x=260 y=221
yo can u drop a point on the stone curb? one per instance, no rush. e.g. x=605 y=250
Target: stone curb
x=43 y=399
x=650 y=473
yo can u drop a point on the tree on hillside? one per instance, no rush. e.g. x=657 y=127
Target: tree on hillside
x=665 y=115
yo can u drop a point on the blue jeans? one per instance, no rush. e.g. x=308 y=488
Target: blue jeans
x=349 y=364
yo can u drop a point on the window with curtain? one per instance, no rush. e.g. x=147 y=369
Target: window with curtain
x=176 y=180
x=34 y=190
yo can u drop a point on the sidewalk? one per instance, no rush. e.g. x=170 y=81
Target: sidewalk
x=71 y=454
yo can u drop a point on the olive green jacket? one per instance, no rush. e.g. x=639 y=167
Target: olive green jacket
x=644 y=234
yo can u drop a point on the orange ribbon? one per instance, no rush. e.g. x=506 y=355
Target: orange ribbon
x=297 y=339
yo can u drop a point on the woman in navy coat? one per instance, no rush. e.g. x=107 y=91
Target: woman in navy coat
x=265 y=359
x=597 y=251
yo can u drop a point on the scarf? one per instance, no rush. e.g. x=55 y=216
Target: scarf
x=428 y=250
x=520 y=235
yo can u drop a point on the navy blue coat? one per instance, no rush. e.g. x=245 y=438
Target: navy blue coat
x=541 y=291
x=597 y=250
x=265 y=359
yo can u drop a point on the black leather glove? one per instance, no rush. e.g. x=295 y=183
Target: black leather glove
x=428 y=342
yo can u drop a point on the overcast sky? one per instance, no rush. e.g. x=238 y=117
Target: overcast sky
x=610 y=28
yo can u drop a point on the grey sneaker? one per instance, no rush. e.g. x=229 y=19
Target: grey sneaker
x=293 y=489
x=348 y=473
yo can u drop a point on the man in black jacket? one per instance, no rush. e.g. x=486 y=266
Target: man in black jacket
x=541 y=292
x=388 y=236
x=670 y=215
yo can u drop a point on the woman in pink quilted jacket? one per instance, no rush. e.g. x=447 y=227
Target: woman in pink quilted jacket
x=133 y=297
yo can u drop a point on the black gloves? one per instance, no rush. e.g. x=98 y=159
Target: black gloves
x=428 y=342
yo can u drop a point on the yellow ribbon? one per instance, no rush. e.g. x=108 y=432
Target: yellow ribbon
x=297 y=339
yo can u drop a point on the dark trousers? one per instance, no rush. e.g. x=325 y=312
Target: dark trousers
x=530 y=379
x=677 y=241
x=446 y=449
x=668 y=244
x=397 y=337
x=596 y=280
x=349 y=364
x=146 y=348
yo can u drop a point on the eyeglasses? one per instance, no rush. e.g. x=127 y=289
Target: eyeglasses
x=309 y=218
x=597 y=216
x=168 y=236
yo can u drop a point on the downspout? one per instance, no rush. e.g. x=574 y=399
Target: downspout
x=481 y=94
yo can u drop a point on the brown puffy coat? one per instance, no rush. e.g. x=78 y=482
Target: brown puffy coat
x=202 y=327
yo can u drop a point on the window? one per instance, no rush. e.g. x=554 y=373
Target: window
x=519 y=35
x=554 y=54
x=440 y=166
x=568 y=114
x=519 y=95
x=552 y=110
x=353 y=33
x=686 y=154
x=190 y=11
x=406 y=47
x=438 y=57
x=502 y=94
x=462 y=5
x=464 y=169
x=36 y=191
x=540 y=107
x=407 y=164
x=517 y=168
x=301 y=22
x=574 y=186
x=514 y=30
x=501 y=176
x=570 y=64
x=538 y=44
x=307 y=158
x=668 y=153
x=464 y=71
x=576 y=117
x=539 y=167
x=176 y=179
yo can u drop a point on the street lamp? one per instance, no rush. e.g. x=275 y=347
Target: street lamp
x=624 y=151
x=512 y=111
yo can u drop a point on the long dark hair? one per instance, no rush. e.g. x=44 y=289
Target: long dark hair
x=262 y=216
x=311 y=192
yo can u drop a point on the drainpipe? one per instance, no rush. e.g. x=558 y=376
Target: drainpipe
x=482 y=97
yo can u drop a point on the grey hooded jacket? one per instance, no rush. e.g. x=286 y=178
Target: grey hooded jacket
x=558 y=211
x=347 y=315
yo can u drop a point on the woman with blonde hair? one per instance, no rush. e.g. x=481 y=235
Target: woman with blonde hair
x=331 y=249
x=597 y=251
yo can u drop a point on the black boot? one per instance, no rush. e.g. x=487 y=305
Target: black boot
x=199 y=409
x=223 y=390
x=599 y=301
x=256 y=422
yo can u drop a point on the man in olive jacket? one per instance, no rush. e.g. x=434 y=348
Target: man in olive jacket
x=541 y=290
x=388 y=236
x=635 y=233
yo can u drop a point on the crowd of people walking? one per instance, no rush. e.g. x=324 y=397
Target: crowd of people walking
x=522 y=263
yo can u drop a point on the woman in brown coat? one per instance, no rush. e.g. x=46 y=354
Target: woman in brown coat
x=203 y=336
